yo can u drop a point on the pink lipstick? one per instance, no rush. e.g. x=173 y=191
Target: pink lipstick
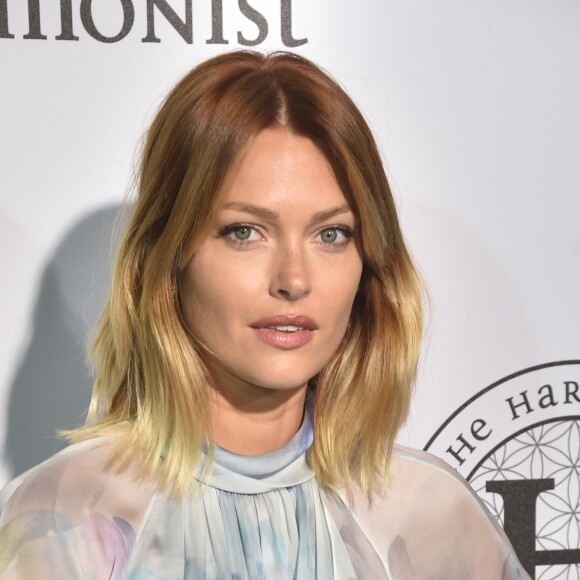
x=284 y=331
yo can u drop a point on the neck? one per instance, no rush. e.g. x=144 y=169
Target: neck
x=251 y=420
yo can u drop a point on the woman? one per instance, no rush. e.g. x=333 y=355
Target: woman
x=253 y=363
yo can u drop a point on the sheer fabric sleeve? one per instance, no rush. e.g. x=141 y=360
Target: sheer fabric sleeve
x=431 y=525
x=69 y=518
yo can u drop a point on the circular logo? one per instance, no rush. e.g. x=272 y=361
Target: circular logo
x=517 y=442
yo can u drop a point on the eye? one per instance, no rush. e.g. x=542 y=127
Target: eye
x=329 y=235
x=336 y=235
x=240 y=234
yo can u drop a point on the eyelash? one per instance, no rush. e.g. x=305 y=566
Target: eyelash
x=347 y=233
x=227 y=231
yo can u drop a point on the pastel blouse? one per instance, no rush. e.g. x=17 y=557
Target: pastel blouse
x=260 y=517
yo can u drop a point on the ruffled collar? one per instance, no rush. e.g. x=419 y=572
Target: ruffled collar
x=253 y=474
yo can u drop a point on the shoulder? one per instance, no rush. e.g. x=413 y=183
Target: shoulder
x=422 y=486
x=430 y=480
x=429 y=519
x=69 y=513
x=75 y=478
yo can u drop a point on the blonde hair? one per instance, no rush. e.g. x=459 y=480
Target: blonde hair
x=150 y=383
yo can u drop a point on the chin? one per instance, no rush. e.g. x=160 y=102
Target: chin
x=284 y=383
x=285 y=379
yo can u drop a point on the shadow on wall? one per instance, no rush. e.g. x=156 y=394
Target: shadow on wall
x=51 y=388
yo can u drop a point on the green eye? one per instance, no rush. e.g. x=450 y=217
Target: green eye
x=243 y=232
x=329 y=235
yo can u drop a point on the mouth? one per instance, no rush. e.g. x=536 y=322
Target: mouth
x=286 y=328
x=285 y=332
x=286 y=323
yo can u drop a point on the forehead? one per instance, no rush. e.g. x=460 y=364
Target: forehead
x=280 y=168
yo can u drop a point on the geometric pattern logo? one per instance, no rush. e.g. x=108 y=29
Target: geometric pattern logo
x=517 y=442
x=549 y=450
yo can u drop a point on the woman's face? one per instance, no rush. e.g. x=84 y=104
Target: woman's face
x=269 y=292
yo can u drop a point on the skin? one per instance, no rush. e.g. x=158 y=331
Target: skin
x=255 y=265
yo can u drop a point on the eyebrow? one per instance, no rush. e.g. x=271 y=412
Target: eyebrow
x=268 y=214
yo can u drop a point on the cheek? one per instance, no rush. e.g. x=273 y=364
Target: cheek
x=213 y=289
x=198 y=294
x=339 y=291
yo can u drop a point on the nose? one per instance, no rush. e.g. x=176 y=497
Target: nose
x=290 y=278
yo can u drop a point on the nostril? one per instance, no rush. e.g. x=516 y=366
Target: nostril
x=293 y=291
x=290 y=271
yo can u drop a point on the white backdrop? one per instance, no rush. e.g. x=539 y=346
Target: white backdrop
x=475 y=107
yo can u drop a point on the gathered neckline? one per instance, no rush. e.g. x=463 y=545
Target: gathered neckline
x=284 y=467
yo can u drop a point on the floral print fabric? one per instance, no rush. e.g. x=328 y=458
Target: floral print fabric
x=259 y=517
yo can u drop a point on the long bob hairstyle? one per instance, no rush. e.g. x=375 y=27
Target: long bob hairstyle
x=151 y=386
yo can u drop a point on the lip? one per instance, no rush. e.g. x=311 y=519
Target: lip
x=300 y=320
x=282 y=339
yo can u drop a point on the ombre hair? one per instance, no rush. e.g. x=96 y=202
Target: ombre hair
x=151 y=386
